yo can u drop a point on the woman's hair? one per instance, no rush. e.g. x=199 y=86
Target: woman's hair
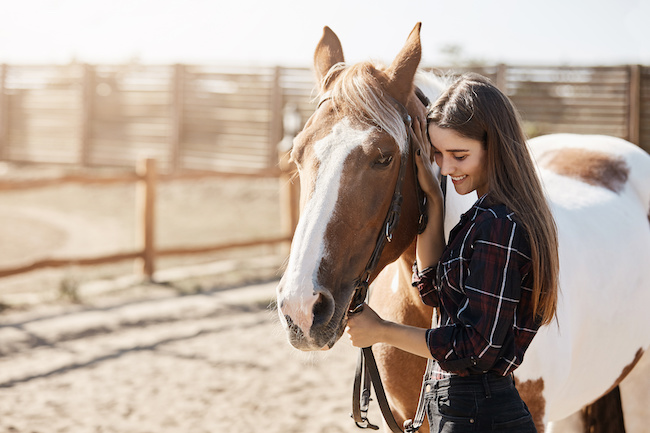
x=474 y=108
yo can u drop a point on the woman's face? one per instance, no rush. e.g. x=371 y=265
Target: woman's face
x=460 y=158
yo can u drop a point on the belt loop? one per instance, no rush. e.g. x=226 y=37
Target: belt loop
x=486 y=385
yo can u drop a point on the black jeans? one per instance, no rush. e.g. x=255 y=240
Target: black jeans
x=480 y=403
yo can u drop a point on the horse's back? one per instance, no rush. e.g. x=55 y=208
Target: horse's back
x=600 y=160
x=599 y=191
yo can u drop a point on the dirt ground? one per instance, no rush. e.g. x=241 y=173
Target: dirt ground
x=95 y=350
x=216 y=361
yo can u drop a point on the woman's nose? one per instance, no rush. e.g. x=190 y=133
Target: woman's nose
x=446 y=166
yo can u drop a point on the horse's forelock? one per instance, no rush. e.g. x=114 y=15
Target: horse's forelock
x=358 y=92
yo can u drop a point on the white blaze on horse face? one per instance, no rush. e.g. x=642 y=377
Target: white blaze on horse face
x=300 y=283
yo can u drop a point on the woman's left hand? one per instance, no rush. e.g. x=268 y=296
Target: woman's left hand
x=365 y=327
x=427 y=177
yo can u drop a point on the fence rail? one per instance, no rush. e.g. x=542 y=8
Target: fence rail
x=230 y=118
x=199 y=121
x=147 y=178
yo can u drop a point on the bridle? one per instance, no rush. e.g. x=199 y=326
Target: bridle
x=367 y=366
x=361 y=284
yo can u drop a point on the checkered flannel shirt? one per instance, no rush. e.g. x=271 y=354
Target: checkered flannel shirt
x=482 y=286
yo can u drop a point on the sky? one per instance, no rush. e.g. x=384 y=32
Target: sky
x=285 y=32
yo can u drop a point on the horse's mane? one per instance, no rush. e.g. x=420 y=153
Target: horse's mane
x=357 y=92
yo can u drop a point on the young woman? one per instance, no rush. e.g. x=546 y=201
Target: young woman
x=495 y=283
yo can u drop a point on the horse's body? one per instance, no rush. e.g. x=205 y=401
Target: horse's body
x=599 y=191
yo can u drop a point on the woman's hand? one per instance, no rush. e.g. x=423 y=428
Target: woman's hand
x=367 y=328
x=427 y=177
x=431 y=242
x=364 y=328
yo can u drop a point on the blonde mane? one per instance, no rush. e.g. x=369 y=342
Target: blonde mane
x=357 y=92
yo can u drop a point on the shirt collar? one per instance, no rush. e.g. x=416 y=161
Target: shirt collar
x=479 y=206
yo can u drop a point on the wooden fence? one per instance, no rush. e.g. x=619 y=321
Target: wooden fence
x=198 y=121
x=230 y=119
x=147 y=177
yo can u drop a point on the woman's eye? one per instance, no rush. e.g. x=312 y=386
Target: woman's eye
x=460 y=158
x=384 y=161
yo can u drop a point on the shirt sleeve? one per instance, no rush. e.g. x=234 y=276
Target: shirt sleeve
x=492 y=290
x=425 y=283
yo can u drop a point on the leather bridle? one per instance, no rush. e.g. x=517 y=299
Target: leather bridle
x=366 y=365
x=361 y=284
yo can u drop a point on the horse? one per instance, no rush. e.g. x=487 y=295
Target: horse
x=351 y=156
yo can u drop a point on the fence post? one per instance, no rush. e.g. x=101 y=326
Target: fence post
x=4 y=115
x=502 y=77
x=177 y=89
x=289 y=183
x=289 y=195
x=275 y=133
x=634 y=105
x=85 y=128
x=146 y=214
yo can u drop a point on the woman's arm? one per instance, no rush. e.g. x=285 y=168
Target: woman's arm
x=367 y=328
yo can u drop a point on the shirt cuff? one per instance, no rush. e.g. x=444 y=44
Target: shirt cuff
x=424 y=281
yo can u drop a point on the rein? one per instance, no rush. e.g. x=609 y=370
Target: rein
x=366 y=365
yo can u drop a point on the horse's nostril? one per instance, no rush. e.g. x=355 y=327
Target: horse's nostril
x=323 y=309
x=294 y=330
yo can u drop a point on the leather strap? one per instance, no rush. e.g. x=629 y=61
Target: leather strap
x=367 y=366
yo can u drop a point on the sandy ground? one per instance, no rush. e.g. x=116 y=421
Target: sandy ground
x=93 y=350
x=216 y=361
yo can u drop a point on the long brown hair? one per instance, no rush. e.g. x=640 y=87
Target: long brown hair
x=474 y=108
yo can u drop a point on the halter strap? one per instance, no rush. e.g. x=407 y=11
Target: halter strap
x=388 y=227
x=392 y=217
x=366 y=365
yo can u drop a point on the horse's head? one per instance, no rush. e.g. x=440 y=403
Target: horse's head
x=348 y=156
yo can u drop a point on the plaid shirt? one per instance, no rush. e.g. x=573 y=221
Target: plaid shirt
x=482 y=286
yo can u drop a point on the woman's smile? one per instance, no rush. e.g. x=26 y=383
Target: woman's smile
x=461 y=158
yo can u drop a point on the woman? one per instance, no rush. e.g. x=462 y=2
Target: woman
x=495 y=283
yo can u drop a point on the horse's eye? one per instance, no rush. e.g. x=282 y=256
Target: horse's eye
x=384 y=160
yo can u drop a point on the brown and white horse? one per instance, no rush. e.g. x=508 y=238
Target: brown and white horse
x=348 y=156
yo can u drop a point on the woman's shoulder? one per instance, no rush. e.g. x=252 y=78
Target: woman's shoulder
x=498 y=225
x=487 y=210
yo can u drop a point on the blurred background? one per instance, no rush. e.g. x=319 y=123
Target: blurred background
x=141 y=158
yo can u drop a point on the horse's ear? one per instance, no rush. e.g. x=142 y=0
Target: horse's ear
x=402 y=71
x=328 y=53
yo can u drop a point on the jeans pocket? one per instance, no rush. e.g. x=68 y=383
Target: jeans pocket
x=523 y=423
x=459 y=407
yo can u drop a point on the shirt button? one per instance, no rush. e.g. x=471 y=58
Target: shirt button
x=428 y=388
x=471 y=420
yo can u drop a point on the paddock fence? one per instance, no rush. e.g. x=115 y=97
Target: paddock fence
x=147 y=178
x=193 y=121
x=230 y=119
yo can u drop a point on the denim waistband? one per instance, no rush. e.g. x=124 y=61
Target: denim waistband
x=487 y=382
